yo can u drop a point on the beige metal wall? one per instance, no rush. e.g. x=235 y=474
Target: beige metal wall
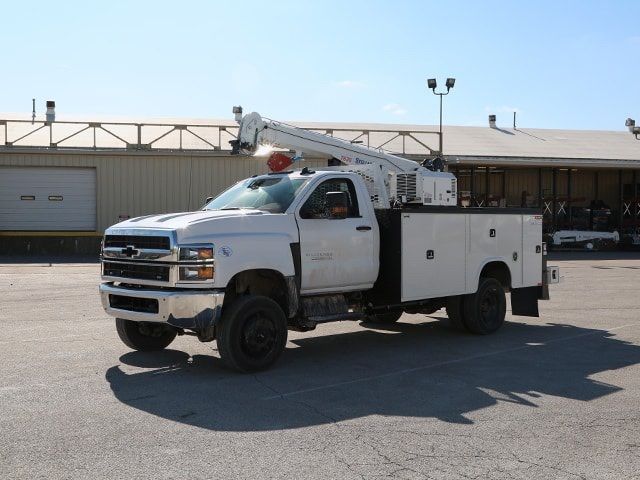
x=140 y=183
x=137 y=184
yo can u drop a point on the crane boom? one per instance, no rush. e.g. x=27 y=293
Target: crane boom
x=255 y=131
x=390 y=176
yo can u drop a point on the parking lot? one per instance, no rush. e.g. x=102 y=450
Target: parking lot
x=554 y=397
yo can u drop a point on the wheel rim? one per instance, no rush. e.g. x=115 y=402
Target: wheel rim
x=489 y=305
x=258 y=336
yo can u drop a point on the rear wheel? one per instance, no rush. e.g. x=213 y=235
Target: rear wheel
x=145 y=336
x=484 y=311
x=389 y=317
x=252 y=333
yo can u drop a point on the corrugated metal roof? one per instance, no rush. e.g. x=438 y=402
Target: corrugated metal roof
x=461 y=144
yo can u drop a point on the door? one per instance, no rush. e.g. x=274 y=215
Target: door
x=47 y=198
x=336 y=254
x=433 y=255
x=531 y=250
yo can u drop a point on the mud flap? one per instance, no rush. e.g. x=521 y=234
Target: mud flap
x=524 y=301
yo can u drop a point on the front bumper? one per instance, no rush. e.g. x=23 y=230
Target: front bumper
x=192 y=309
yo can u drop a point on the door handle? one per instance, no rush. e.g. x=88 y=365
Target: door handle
x=363 y=228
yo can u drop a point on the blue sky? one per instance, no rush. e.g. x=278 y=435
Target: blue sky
x=560 y=64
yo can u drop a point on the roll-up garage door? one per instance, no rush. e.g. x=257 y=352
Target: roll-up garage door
x=47 y=198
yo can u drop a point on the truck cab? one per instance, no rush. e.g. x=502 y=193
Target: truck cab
x=270 y=234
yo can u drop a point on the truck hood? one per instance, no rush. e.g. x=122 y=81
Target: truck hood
x=214 y=225
x=179 y=221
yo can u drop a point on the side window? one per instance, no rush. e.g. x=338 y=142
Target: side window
x=316 y=204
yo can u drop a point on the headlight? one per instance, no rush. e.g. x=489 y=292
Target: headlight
x=198 y=260
x=195 y=253
x=196 y=272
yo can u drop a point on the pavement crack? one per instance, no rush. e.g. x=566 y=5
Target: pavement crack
x=282 y=396
x=266 y=385
x=350 y=467
x=556 y=467
x=315 y=410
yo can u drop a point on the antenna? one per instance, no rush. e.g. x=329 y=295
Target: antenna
x=33 y=110
x=514 y=120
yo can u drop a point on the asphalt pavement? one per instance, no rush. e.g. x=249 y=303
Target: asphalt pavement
x=553 y=397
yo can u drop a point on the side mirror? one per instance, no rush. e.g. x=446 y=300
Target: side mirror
x=337 y=204
x=206 y=202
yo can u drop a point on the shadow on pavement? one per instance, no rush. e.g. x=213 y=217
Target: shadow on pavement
x=418 y=370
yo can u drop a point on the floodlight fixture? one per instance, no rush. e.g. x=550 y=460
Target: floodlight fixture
x=432 y=84
x=450 y=83
x=237 y=111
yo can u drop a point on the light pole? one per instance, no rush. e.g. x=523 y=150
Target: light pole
x=432 y=84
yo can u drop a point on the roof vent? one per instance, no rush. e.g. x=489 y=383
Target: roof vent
x=51 y=111
x=630 y=124
x=492 y=121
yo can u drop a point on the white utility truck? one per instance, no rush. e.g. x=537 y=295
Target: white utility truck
x=369 y=238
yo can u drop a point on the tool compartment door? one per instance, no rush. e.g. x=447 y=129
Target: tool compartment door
x=433 y=255
x=531 y=250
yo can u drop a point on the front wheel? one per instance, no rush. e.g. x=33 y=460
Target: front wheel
x=145 y=336
x=252 y=333
x=484 y=311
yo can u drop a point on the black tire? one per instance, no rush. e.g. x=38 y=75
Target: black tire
x=252 y=333
x=389 y=317
x=484 y=311
x=145 y=336
x=455 y=312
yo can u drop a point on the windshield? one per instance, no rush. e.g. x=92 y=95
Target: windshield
x=271 y=194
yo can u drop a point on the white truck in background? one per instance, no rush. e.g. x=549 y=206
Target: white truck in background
x=371 y=238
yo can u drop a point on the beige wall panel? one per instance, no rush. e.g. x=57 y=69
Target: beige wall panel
x=142 y=184
x=137 y=184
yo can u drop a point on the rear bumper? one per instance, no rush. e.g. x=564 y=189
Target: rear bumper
x=193 y=309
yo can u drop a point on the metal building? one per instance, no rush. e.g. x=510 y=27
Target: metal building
x=63 y=182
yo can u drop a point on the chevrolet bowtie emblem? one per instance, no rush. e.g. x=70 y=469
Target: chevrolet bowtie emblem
x=130 y=251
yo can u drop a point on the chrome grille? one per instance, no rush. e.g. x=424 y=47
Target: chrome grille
x=138 y=241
